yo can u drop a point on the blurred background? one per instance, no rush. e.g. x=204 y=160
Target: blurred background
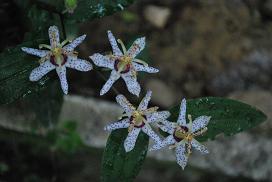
x=202 y=48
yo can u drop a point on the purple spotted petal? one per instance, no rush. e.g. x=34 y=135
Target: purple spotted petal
x=125 y=104
x=139 y=67
x=200 y=122
x=167 y=141
x=167 y=126
x=182 y=114
x=158 y=116
x=144 y=103
x=132 y=83
x=115 y=49
x=131 y=139
x=117 y=125
x=199 y=146
x=61 y=71
x=181 y=157
x=102 y=61
x=53 y=32
x=113 y=77
x=137 y=46
x=79 y=64
x=71 y=46
x=148 y=130
x=40 y=71
x=35 y=52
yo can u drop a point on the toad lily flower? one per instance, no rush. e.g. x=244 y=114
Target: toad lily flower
x=59 y=56
x=182 y=135
x=137 y=120
x=123 y=64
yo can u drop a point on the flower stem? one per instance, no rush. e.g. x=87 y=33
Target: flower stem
x=62 y=25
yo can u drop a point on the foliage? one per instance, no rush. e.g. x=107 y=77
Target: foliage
x=118 y=165
x=65 y=138
x=15 y=68
x=227 y=116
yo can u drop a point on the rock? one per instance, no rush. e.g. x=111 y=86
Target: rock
x=246 y=154
x=254 y=72
x=157 y=16
x=91 y=116
x=162 y=94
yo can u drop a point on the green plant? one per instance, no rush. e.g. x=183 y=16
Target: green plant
x=21 y=75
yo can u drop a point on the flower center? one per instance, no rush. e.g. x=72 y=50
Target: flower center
x=123 y=64
x=137 y=119
x=58 y=58
x=182 y=132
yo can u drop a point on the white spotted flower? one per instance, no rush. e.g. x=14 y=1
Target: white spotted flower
x=137 y=120
x=59 y=56
x=123 y=64
x=182 y=135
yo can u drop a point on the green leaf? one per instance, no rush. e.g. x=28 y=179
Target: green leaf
x=90 y=9
x=15 y=66
x=65 y=137
x=227 y=116
x=46 y=104
x=117 y=165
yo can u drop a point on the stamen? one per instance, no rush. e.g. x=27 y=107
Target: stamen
x=64 y=42
x=177 y=144
x=140 y=61
x=134 y=73
x=190 y=117
x=44 y=46
x=150 y=110
x=120 y=69
x=188 y=150
x=74 y=53
x=43 y=59
x=200 y=132
x=122 y=45
x=130 y=128
x=111 y=57
x=190 y=122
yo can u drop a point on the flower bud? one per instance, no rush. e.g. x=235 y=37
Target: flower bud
x=70 y=6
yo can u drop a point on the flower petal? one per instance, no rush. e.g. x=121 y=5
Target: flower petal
x=139 y=67
x=102 y=61
x=182 y=113
x=79 y=64
x=115 y=49
x=74 y=43
x=53 y=32
x=200 y=122
x=40 y=71
x=148 y=130
x=125 y=104
x=167 y=126
x=167 y=141
x=158 y=116
x=113 y=77
x=137 y=46
x=131 y=139
x=144 y=103
x=132 y=83
x=199 y=146
x=61 y=71
x=35 y=52
x=181 y=157
x=117 y=125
